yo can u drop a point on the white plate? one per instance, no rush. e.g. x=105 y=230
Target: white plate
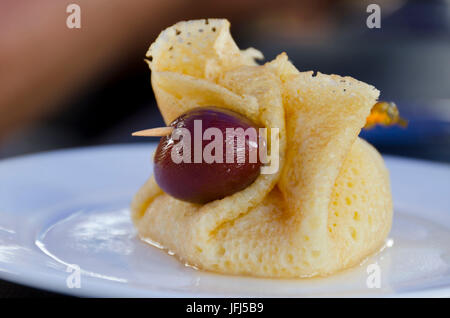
x=71 y=207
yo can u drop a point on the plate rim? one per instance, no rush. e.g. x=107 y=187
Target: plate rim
x=48 y=282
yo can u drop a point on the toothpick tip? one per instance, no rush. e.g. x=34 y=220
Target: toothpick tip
x=154 y=132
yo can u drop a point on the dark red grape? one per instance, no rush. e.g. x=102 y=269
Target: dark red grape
x=204 y=181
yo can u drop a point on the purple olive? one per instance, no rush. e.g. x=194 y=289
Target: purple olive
x=208 y=173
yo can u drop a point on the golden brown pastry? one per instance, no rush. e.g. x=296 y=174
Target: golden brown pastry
x=328 y=206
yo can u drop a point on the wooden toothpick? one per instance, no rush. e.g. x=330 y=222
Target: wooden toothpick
x=154 y=132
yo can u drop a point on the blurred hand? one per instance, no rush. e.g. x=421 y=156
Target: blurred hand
x=43 y=62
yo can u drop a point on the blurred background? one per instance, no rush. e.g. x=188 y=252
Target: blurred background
x=62 y=87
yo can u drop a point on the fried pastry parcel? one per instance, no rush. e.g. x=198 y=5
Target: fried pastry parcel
x=326 y=208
